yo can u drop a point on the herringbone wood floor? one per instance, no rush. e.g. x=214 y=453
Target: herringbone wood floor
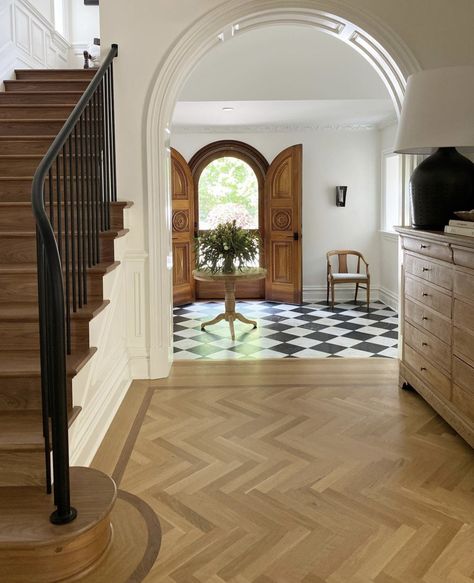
x=302 y=472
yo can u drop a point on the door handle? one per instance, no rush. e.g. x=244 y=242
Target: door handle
x=296 y=236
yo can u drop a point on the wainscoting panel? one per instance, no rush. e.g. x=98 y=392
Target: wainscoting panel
x=28 y=39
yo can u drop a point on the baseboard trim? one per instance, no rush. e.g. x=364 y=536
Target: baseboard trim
x=94 y=421
x=389 y=298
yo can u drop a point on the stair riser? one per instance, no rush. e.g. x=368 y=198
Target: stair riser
x=37 y=147
x=27 y=166
x=43 y=74
x=30 y=127
x=22 y=468
x=16 y=218
x=22 y=287
x=24 y=393
x=30 y=111
x=25 y=335
x=21 y=86
x=43 y=98
x=22 y=249
x=19 y=190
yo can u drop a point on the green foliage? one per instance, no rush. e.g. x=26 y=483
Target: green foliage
x=228 y=185
x=226 y=247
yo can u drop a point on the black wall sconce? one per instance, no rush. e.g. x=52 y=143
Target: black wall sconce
x=341 y=192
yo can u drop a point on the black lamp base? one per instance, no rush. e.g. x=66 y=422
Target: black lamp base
x=440 y=185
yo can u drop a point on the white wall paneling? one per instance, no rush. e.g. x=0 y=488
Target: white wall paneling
x=28 y=39
x=135 y=266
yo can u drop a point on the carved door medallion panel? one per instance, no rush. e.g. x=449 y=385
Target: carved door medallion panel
x=283 y=247
x=182 y=221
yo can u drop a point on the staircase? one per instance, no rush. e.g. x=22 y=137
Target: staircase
x=33 y=109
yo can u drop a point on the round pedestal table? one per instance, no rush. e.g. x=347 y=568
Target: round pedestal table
x=229 y=280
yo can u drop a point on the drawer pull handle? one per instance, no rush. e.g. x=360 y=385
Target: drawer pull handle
x=425 y=318
x=426 y=268
x=422 y=369
x=423 y=246
x=425 y=295
x=424 y=344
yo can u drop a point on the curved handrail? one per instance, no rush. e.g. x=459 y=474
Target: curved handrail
x=52 y=307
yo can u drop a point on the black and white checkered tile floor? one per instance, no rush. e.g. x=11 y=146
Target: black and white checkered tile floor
x=310 y=330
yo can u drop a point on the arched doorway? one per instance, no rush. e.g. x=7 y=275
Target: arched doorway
x=375 y=42
x=228 y=183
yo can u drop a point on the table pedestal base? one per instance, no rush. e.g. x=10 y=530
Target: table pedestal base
x=230 y=315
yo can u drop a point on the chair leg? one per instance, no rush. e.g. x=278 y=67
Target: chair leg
x=327 y=291
x=332 y=295
x=368 y=296
x=357 y=291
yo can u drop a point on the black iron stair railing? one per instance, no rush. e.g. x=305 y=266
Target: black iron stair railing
x=72 y=189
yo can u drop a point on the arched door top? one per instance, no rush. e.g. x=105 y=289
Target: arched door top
x=230 y=148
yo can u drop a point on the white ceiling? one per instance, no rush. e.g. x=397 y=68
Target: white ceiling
x=283 y=75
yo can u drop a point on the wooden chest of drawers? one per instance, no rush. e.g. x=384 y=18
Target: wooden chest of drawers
x=437 y=323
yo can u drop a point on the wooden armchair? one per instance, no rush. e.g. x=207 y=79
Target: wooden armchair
x=342 y=275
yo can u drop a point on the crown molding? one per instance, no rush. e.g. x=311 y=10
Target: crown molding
x=386 y=123
x=269 y=128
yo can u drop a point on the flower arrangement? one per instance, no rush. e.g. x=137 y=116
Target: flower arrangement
x=226 y=248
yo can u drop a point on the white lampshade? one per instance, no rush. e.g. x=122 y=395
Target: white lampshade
x=438 y=111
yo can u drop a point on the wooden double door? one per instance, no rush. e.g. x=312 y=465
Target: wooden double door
x=280 y=207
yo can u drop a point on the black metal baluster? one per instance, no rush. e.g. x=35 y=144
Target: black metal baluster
x=112 y=132
x=98 y=181
x=85 y=183
x=95 y=218
x=58 y=198
x=66 y=254
x=51 y=197
x=80 y=290
x=72 y=202
x=90 y=203
x=100 y=96
x=106 y=153
x=85 y=248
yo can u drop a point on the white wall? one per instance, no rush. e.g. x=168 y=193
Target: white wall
x=84 y=26
x=330 y=158
x=389 y=264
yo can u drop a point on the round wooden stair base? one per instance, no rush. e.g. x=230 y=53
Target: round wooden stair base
x=32 y=550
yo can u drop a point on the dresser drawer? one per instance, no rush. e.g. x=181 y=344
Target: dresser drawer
x=429 y=346
x=463 y=315
x=463 y=343
x=423 y=247
x=464 y=402
x=428 y=295
x=429 y=320
x=436 y=273
x=438 y=382
x=463 y=256
x=463 y=375
x=464 y=284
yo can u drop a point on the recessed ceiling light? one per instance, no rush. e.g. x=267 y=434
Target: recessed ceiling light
x=227 y=109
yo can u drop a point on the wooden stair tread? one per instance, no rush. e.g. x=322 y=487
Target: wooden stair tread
x=16 y=363
x=28 y=312
x=100 y=268
x=24 y=511
x=111 y=233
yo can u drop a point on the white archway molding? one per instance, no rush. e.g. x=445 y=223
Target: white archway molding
x=366 y=34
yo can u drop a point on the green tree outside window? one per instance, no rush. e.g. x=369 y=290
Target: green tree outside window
x=228 y=190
